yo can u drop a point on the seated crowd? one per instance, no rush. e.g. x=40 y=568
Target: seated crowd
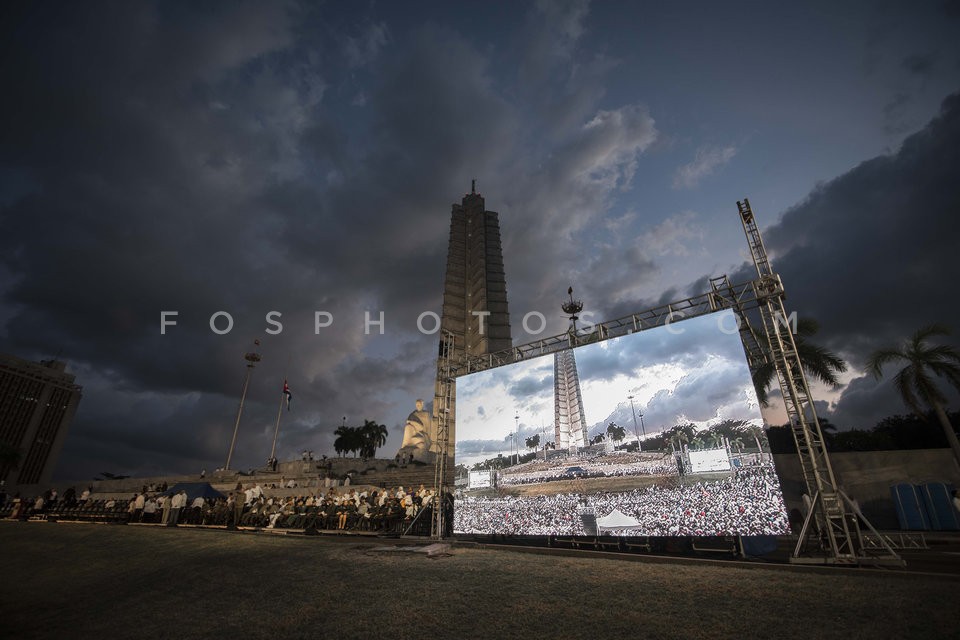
x=749 y=502
x=380 y=510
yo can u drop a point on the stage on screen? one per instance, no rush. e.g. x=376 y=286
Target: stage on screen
x=692 y=372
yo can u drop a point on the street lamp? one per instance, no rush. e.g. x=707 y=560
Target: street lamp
x=252 y=358
x=515 y=440
x=635 y=432
x=543 y=438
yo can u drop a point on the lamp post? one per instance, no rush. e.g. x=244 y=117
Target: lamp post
x=543 y=438
x=635 y=432
x=252 y=358
x=572 y=308
x=516 y=442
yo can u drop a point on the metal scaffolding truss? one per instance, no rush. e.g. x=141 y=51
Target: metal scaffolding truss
x=832 y=516
x=745 y=295
x=442 y=401
x=837 y=521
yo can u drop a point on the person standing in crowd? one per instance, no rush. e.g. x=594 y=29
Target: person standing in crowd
x=138 y=504
x=231 y=511
x=238 y=508
x=197 y=509
x=165 y=506
x=149 y=510
x=178 y=502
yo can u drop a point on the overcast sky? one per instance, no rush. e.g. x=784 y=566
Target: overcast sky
x=303 y=157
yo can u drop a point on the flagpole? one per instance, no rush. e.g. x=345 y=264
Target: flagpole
x=276 y=432
x=251 y=358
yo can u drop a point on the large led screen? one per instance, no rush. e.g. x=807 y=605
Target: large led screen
x=681 y=452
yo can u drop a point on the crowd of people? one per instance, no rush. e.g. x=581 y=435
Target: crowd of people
x=748 y=502
x=383 y=510
x=594 y=469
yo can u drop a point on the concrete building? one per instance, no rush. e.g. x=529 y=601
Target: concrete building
x=570 y=423
x=37 y=403
x=474 y=289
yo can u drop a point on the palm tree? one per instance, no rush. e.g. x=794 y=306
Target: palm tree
x=679 y=434
x=737 y=443
x=818 y=362
x=346 y=440
x=373 y=437
x=914 y=382
x=533 y=442
x=756 y=432
x=616 y=432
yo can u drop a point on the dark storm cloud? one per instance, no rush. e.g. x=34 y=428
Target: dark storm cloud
x=863 y=402
x=155 y=150
x=870 y=254
x=889 y=226
x=689 y=345
x=201 y=159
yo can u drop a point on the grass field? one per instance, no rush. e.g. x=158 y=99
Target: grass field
x=88 y=581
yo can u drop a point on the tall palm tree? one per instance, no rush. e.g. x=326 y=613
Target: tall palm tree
x=756 y=432
x=915 y=383
x=346 y=440
x=533 y=441
x=616 y=432
x=817 y=361
x=374 y=437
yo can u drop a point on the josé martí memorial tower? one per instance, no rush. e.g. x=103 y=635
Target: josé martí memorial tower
x=474 y=311
x=570 y=423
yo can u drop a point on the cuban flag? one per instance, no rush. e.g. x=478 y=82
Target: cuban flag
x=287 y=394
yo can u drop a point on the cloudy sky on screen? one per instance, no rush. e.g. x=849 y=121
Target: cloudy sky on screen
x=692 y=371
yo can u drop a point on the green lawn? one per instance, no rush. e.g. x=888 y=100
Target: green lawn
x=86 y=581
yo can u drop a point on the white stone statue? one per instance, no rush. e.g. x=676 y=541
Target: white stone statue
x=417 y=436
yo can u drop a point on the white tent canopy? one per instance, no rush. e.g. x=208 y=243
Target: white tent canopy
x=617 y=520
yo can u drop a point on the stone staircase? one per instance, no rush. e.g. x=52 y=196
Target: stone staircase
x=309 y=476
